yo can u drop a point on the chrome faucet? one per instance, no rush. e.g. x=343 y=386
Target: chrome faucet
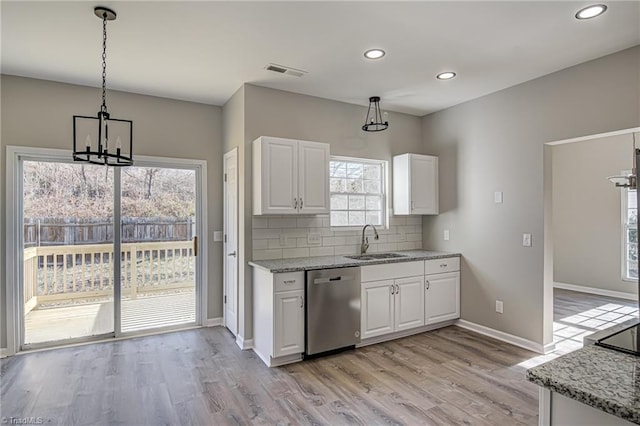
x=365 y=240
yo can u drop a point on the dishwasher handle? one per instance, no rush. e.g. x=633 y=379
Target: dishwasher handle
x=327 y=280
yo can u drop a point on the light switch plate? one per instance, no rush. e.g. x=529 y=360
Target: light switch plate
x=497 y=197
x=446 y=235
x=218 y=236
x=499 y=306
x=526 y=240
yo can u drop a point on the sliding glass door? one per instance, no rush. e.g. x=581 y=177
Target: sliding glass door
x=158 y=247
x=68 y=251
x=73 y=287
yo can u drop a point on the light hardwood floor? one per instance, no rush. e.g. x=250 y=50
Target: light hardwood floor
x=449 y=376
x=446 y=377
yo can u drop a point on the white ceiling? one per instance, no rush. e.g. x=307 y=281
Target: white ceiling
x=204 y=51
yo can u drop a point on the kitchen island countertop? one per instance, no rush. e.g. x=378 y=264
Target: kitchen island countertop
x=599 y=377
x=325 y=262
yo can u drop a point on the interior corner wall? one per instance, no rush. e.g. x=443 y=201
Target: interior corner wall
x=270 y=112
x=587 y=215
x=495 y=143
x=37 y=113
x=233 y=122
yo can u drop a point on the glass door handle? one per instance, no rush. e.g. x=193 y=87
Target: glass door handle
x=195 y=246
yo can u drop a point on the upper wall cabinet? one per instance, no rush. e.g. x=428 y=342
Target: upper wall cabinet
x=290 y=176
x=415 y=184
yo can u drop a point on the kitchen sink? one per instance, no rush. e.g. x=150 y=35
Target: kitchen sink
x=376 y=256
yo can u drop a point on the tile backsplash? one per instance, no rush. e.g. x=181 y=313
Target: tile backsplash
x=282 y=237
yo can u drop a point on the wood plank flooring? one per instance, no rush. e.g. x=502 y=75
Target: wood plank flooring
x=449 y=376
x=445 y=377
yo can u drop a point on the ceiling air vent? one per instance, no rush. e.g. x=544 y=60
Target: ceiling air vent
x=281 y=69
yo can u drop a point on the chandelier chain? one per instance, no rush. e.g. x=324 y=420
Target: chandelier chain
x=104 y=63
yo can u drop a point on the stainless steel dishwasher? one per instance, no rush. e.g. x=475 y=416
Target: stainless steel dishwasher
x=333 y=309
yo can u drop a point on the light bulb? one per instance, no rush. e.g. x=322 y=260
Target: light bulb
x=87 y=142
x=118 y=143
x=385 y=117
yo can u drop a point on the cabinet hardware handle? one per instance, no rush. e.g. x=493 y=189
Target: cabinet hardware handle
x=427 y=281
x=443 y=265
x=301 y=203
x=393 y=289
x=413 y=204
x=397 y=289
x=296 y=203
x=289 y=281
x=301 y=302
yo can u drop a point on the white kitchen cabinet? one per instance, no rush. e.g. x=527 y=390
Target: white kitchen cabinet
x=278 y=316
x=442 y=297
x=392 y=298
x=288 y=323
x=377 y=307
x=415 y=184
x=290 y=176
x=409 y=303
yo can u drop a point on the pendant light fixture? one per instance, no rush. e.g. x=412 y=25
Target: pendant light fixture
x=107 y=141
x=627 y=181
x=376 y=121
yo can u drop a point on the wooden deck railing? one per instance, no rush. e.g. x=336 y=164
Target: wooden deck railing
x=68 y=273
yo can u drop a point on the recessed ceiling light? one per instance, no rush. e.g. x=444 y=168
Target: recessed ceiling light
x=447 y=75
x=374 y=54
x=591 y=11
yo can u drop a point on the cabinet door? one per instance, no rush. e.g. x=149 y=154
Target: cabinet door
x=409 y=303
x=279 y=176
x=442 y=297
x=313 y=177
x=424 y=184
x=376 y=308
x=288 y=324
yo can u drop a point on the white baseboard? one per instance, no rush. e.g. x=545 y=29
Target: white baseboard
x=598 y=291
x=506 y=337
x=3 y=352
x=244 y=344
x=213 y=322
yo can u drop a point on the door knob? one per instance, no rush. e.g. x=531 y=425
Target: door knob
x=232 y=254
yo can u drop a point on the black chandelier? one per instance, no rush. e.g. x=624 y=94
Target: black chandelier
x=113 y=137
x=373 y=122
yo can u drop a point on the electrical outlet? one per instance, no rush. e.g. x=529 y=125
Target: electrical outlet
x=284 y=240
x=314 y=238
x=526 y=240
x=497 y=197
x=499 y=306
x=446 y=235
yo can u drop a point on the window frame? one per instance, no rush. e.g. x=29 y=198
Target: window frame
x=384 y=164
x=625 y=232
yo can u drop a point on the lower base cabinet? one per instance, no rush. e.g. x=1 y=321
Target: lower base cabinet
x=400 y=302
x=278 y=316
x=441 y=297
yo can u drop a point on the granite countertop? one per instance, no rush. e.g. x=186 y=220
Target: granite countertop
x=324 y=262
x=602 y=378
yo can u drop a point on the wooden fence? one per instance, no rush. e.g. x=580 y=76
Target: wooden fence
x=68 y=273
x=70 y=231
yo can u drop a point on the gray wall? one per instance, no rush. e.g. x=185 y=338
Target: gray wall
x=496 y=143
x=586 y=213
x=270 y=112
x=37 y=113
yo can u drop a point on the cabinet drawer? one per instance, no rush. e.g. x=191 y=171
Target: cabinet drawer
x=391 y=271
x=288 y=281
x=437 y=266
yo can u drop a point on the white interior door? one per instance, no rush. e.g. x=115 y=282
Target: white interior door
x=231 y=240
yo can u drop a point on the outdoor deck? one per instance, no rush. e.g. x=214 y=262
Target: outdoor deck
x=58 y=323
